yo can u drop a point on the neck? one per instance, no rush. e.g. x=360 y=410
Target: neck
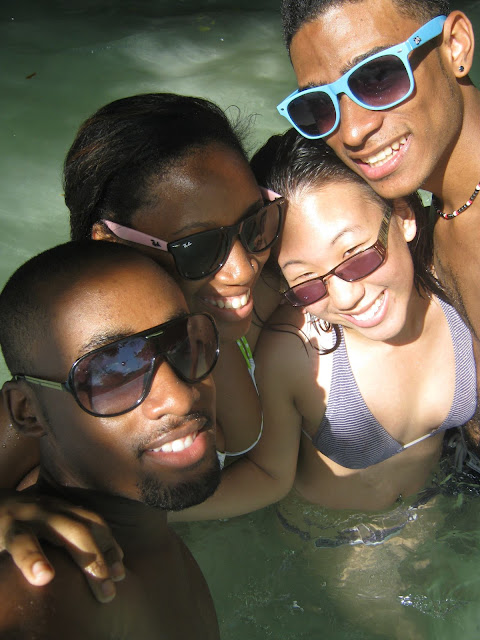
x=122 y=514
x=458 y=171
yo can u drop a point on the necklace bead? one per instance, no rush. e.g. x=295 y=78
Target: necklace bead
x=454 y=214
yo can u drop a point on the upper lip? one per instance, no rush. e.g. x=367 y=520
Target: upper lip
x=180 y=428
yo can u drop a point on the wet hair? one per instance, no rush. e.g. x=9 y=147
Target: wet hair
x=29 y=298
x=289 y=163
x=295 y=13
x=128 y=143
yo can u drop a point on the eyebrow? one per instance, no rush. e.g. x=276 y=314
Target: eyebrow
x=334 y=240
x=210 y=225
x=105 y=338
x=349 y=65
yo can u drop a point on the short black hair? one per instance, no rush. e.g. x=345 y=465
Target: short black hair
x=295 y=13
x=28 y=298
x=122 y=146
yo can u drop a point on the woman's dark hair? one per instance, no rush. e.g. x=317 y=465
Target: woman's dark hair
x=290 y=162
x=126 y=143
x=295 y=13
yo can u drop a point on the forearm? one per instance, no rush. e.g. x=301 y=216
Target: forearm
x=244 y=487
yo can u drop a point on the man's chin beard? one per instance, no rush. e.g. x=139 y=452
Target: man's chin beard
x=156 y=494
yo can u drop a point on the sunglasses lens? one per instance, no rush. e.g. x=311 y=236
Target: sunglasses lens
x=359 y=266
x=112 y=380
x=194 y=353
x=307 y=293
x=313 y=113
x=381 y=82
x=261 y=230
x=199 y=255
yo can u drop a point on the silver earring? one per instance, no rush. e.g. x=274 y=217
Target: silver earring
x=461 y=68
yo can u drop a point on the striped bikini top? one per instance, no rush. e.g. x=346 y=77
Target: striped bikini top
x=351 y=436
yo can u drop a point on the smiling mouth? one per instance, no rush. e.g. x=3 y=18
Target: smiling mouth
x=371 y=312
x=177 y=445
x=385 y=154
x=233 y=302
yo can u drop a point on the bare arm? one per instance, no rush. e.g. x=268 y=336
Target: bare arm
x=266 y=474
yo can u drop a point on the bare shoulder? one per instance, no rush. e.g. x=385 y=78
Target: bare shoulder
x=63 y=609
x=285 y=344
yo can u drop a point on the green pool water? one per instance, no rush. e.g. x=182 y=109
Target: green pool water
x=270 y=578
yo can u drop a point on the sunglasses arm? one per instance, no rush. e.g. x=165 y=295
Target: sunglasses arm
x=125 y=233
x=43 y=383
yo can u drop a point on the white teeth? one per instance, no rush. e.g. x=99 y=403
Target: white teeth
x=370 y=313
x=177 y=445
x=382 y=156
x=230 y=303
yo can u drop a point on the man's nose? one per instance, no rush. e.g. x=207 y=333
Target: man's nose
x=169 y=394
x=357 y=123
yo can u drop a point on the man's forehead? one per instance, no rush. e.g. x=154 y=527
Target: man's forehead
x=120 y=301
x=345 y=34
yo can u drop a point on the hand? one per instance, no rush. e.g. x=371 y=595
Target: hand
x=84 y=535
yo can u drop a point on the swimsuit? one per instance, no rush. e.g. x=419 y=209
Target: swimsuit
x=351 y=436
x=247 y=354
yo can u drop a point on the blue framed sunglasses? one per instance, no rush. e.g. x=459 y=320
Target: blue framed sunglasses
x=379 y=82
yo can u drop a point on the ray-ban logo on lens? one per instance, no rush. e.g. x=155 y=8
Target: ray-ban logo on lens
x=186 y=245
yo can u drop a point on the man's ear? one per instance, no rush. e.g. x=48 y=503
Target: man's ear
x=406 y=217
x=23 y=409
x=459 y=41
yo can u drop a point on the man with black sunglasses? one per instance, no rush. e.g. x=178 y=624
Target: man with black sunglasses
x=386 y=83
x=112 y=374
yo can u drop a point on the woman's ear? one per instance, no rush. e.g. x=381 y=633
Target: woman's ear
x=406 y=216
x=459 y=42
x=23 y=409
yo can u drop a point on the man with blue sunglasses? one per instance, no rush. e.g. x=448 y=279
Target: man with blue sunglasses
x=111 y=373
x=385 y=83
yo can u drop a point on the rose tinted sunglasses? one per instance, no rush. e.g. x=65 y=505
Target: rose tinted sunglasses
x=352 y=269
x=381 y=81
x=203 y=254
x=116 y=378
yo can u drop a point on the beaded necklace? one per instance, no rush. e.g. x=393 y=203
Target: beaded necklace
x=454 y=214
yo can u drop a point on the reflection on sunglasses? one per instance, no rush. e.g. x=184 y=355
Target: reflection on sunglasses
x=203 y=254
x=379 y=82
x=116 y=378
x=355 y=268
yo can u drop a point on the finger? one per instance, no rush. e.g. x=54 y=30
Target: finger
x=28 y=556
x=85 y=534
